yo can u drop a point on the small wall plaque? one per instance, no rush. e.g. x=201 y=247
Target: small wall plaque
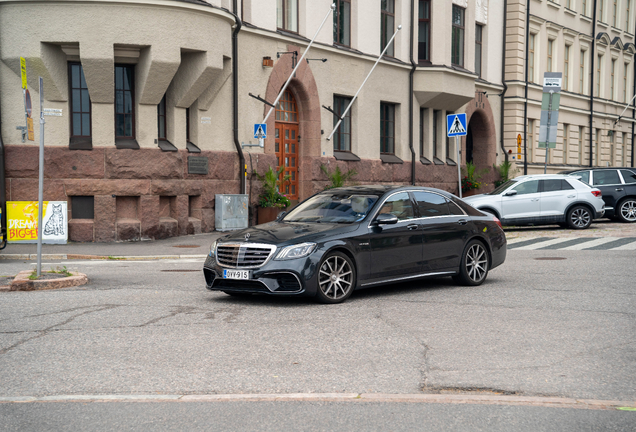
x=197 y=165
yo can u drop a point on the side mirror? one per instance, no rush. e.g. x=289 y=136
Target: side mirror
x=511 y=193
x=280 y=216
x=386 y=219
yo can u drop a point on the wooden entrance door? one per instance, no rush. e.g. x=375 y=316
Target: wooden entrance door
x=286 y=134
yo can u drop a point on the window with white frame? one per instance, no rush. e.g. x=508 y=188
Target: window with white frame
x=581 y=140
x=550 y=52
x=625 y=72
x=530 y=142
x=387 y=24
x=479 y=30
x=584 y=7
x=457 y=44
x=627 y=8
x=531 y=43
x=599 y=70
x=612 y=80
x=287 y=15
x=566 y=68
x=342 y=22
x=601 y=10
x=582 y=72
x=566 y=137
x=615 y=13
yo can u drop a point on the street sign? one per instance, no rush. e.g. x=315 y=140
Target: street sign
x=23 y=72
x=456 y=125
x=27 y=103
x=260 y=130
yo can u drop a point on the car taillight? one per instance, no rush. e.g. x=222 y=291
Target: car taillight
x=497 y=221
x=596 y=193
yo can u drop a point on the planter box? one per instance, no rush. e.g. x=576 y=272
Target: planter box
x=268 y=214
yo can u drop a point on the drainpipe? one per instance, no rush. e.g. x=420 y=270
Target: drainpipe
x=633 y=113
x=592 y=84
x=3 y=191
x=503 y=81
x=525 y=105
x=237 y=144
x=414 y=65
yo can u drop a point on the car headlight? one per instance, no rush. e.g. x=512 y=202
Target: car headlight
x=296 y=251
x=213 y=248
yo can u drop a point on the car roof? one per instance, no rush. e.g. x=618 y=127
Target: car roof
x=539 y=177
x=596 y=169
x=383 y=189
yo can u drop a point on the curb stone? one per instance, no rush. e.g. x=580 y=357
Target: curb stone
x=22 y=282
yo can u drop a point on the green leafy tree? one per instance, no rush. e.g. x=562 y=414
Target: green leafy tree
x=337 y=177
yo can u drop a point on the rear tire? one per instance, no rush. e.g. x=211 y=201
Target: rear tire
x=626 y=211
x=474 y=265
x=579 y=218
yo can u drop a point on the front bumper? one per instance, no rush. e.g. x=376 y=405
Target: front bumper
x=291 y=277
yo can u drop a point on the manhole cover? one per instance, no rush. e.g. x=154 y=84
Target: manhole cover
x=550 y=258
x=187 y=246
x=180 y=271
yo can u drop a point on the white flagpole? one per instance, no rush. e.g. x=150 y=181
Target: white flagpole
x=331 y=9
x=364 y=82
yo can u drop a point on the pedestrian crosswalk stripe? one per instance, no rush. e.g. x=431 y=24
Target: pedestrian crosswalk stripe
x=591 y=243
x=542 y=244
x=567 y=243
x=628 y=246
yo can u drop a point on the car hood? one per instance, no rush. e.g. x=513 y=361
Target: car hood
x=478 y=199
x=281 y=233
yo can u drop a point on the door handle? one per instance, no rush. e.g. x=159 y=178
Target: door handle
x=462 y=221
x=571 y=196
x=412 y=227
x=534 y=199
x=619 y=190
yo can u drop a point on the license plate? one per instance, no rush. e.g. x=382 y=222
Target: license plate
x=236 y=274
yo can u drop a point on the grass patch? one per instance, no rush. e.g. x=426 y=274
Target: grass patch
x=57 y=270
x=110 y=257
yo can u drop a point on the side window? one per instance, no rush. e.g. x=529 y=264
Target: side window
x=430 y=204
x=585 y=176
x=454 y=209
x=565 y=185
x=628 y=176
x=609 y=177
x=551 y=185
x=528 y=187
x=398 y=205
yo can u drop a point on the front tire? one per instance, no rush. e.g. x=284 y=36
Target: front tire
x=627 y=211
x=474 y=265
x=579 y=217
x=336 y=278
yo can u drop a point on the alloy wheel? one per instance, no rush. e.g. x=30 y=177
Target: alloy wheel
x=628 y=211
x=476 y=262
x=336 y=277
x=580 y=217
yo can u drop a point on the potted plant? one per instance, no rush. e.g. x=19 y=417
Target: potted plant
x=470 y=181
x=504 y=172
x=271 y=201
x=337 y=177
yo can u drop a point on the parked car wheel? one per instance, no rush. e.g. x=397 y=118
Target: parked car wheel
x=627 y=210
x=579 y=217
x=474 y=265
x=336 y=278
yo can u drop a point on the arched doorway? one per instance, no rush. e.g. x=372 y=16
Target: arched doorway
x=286 y=143
x=469 y=143
x=480 y=140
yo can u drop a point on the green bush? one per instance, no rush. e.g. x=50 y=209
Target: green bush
x=270 y=196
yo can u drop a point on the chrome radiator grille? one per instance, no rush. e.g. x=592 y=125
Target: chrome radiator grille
x=243 y=255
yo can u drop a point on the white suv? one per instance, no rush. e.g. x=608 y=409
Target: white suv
x=541 y=200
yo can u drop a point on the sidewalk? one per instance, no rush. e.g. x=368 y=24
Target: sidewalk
x=190 y=246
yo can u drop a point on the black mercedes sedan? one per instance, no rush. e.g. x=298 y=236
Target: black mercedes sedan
x=356 y=237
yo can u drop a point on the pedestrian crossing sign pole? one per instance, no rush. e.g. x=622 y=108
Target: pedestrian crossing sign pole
x=456 y=127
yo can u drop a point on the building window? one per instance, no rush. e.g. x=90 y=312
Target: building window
x=581 y=136
x=435 y=139
x=566 y=136
x=457 y=48
x=82 y=207
x=342 y=22
x=584 y=7
x=568 y=4
x=598 y=76
x=601 y=16
x=566 y=67
x=387 y=23
x=597 y=154
x=625 y=72
x=342 y=138
x=448 y=140
x=582 y=73
x=530 y=143
x=124 y=102
x=387 y=128
x=423 y=138
x=478 y=48
x=629 y=3
x=550 y=48
x=612 y=149
x=80 y=107
x=624 y=149
x=287 y=15
x=615 y=13
x=531 y=58
x=612 y=96
x=161 y=118
x=424 y=31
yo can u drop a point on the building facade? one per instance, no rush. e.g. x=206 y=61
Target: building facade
x=591 y=42
x=146 y=89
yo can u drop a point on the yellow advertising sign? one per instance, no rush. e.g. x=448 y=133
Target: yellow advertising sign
x=23 y=72
x=22 y=220
x=30 y=135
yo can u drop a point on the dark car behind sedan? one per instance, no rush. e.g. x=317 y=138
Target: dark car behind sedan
x=356 y=237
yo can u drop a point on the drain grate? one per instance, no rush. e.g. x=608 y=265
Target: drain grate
x=180 y=271
x=186 y=246
x=550 y=258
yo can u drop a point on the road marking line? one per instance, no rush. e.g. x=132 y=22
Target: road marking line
x=556 y=402
x=628 y=246
x=591 y=243
x=520 y=239
x=542 y=244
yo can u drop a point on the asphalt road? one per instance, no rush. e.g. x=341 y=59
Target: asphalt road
x=537 y=328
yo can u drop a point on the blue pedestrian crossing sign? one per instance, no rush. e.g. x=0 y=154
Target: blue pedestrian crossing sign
x=260 y=130
x=456 y=125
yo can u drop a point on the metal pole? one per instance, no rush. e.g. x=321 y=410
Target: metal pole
x=364 y=82
x=41 y=179
x=331 y=9
x=547 y=137
x=459 y=163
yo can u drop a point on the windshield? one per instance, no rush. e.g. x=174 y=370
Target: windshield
x=498 y=190
x=332 y=208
